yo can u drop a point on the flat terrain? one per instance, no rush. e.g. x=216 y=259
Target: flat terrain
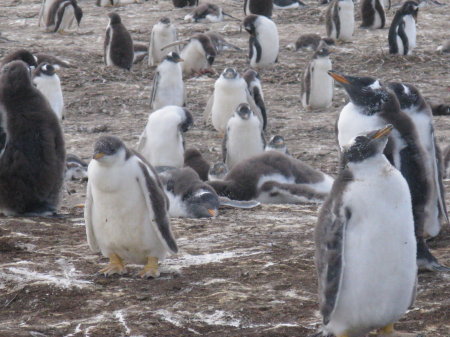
x=244 y=273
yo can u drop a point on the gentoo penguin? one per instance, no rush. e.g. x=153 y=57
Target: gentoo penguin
x=217 y=172
x=22 y=55
x=47 y=81
x=126 y=210
x=53 y=60
x=44 y=11
x=62 y=14
x=230 y=90
x=32 y=163
x=184 y=3
x=168 y=85
x=309 y=42
x=254 y=87
x=162 y=143
x=414 y=105
x=274 y=178
x=340 y=20
x=372 y=14
x=446 y=157
x=258 y=7
x=263 y=42
x=365 y=245
x=372 y=106
x=440 y=109
x=76 y=168
x=140 y=51
x=163 y=33
x=111 y=3
x=402 y=33
x=244 y=138
x=118 y=47
x=220 y=43
x=277 y=143
x=207 y=12
x=194 y=159
x=317 y=86
x=288 y=4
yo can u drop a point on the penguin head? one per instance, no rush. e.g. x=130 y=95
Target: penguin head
x=230 y=73
x=44 y=69
x=109 y=150
x=277 y=141
x=408 y=96
x=366 y=145
x=249 y=24
x=173 y=57
x=22 y=55
x=208 y=47
x=165 y=21
x=203 y=204
x=322 y=50
x=218 y=171
x=15 y=78
x=187 y=120
x=410 y=8
x=114 y=18
x=243 y=111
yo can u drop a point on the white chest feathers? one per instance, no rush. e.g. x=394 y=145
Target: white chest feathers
x=268 y=39
x=194 y=57
x=162 y=35
x=346 y=21
x=318 y=93
x=410 y=31
x=169 y=86
x=50 y=87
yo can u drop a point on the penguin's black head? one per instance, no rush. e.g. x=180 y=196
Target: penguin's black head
x=165 y=20
x=114 y=18
x=276 y=141
x=322 y=51
x=250 y=75
x=249 y=24
x=366 y=145
x=408 y=96
x=230 y=73
x=44 y=68
x=203 y=204
x=107 y=149
x=173 y=57
x=243 y=111
x=410 y=8
x=15 y=78
x=23 y=55
x=78 y=12
x=188 y=121
x=208 y=47
x=218 y=171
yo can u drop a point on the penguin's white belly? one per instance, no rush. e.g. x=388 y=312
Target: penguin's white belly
x=321 y=93
x=161 y=38
x=347 y=20
x=68 y=18
x=401 y=49
x=224 y=105
x=170 y=89
x=379 y=254
x=323 y=186
x=164 y=149
x=193 y=59
x=51 y=89
x=293 y=5
x=410 y=30
x=176 y=208
x=108 y=59
x=268 y=39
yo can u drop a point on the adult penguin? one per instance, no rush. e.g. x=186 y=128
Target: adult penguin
x=402 y=33
x=258 y=7
x=372 y=14
x=340 y=20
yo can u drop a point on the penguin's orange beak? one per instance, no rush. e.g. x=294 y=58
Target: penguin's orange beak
x=212 y=212
x=98 y=155
x=383 y=132
x=338 y=77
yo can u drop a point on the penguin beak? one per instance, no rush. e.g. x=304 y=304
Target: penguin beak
x=383 y=132
x=98 y=155
x=213 y=212
x=338 y=77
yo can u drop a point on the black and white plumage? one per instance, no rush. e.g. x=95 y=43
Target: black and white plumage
x=44 y=11
x=118 y=46
x=62 y=14
x=277 y=143
x=194 y=159
x=340 y=20
x=258 y=7
x=288 y=4
x=76 y=168
x=47 y=81
x=274 y=178
x=184 y=3
x=440 y=109
x=126 y=209
x=206 y=12
x=244 y=137
x=309 y=42
x=168 y=85
x=220 y=43
x=372 y=14
x=402 y=32
x=20 y=55
x=161 y=142
x=53 y=60
x=217 y=172
x=163 y=33
x=365 y=244
x=33 y=159
x=263 y=42
x=254 y=87
x=112 y=3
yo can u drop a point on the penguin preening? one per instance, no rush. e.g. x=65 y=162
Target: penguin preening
x=47 y=81
x=277 y=143
x=168 y=85
x=163 y=33
x=288 y=4
x=372 y=14
x=62 y=14
x=310 y=42
x=161 y=142
x=402 y=32
x=126 y=210
x=207 y=12
x=254 y=86
x=184 y=3
x=263 y=42
x=118 y=46
x=194 y=159
x=340 y=20
x=365 y=245
x=258 y=7
x=217 y=172
x=33 y=160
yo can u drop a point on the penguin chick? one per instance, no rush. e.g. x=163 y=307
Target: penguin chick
x=243 y=138
x=48 y=83
x=118 y=46
x=220 y=43
x=126 y=210
x=217 y=172
x=76 y=168
x=205 y=12
x=184 y=3
x=263 y=42
x=440 y=109
x=194 y=159
x=32 y=163
x=255 y=89
x=317 y=86
x=62 y=14
x=140 y=51
x=161 y=142
x=258 y=7
x=364 y=233
x=168 y=85
x=402 y=33
x=372 y=14
x=163 y=33
x=310 y=42
x=288 y=4
x=277 y=143
x=340 y=20
x=22 y=55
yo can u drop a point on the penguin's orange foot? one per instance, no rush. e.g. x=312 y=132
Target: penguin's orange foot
x=150 y=269
x=115 y=266
x=389 y=331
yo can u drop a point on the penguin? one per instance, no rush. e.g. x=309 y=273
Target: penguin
x=33 y=160
x=446 y=156
x=340 y=20
x=277 y=143
x=194 y=159
x=163 y=33
x=402 y=33
x=76 y=168
x=22 y=55
x=126 y=212
x=184 y=3
x=112 y=3
x=258 y=7
x=220 y=43
x=254 y=87
x=47 y=81
x=62 y=14
x=371 y=106
x=317 y=86
x=230 y=90
x=309 y=42
x=244 y=137
x=288 y=4
x=161 y=142
x=414 y=105
x=168 y=85
x=365 y=246
x=445 y=47
x=118 y=46
x=53 y=60
x=263 y=42
x=217 y=172
x=440 y=109
x=44 y=11
x=207 y=12
x=372 y=14
x=140 y=51
x=274 y=178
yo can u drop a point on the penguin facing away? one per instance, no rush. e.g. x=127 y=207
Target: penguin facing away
x=194 y=159
x=258 y=7
x=163 y=33
x=372 y=14
x=340 y=20
x=49 y=84
x=33 y=160
x=402 y=32
x=118 y=46
x=254 y=86
x=62 y=14
x=358 y=247
x=126 y=210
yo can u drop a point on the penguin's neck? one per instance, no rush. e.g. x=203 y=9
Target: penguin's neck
x=369 y=167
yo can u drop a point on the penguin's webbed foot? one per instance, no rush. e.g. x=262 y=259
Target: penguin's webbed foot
x=389 y=331
x=150 y=269
x=115 y=266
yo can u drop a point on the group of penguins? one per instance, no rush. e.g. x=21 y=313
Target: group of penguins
x=389 y=192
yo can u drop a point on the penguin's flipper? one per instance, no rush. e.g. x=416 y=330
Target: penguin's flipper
x=437 y=175
x=92 y=241
x=156 y=79
x=291 y=193
x=256 y=109
x=245 y=204
x=402 y=34
x=259 y=101
x=208 y=108
x=224 y=148
x=151 y=47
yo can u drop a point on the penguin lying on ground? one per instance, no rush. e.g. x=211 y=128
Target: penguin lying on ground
x=288 y=4
x=277 y=143
x=194 y=159
x=274 y=178
x=340 y=20
x=163 y=33
x=402 y=33
x=49 y=84
x=220 y=43
x=217 y=172
x=372 y=14
x=254 y=87
x=310 y=42
x=118 y=46
x=440 y=109
x=76 y=168
x=207 y=12
x=258 y=7
x=62 y=14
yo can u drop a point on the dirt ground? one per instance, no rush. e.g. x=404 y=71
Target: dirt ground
x=244 y=273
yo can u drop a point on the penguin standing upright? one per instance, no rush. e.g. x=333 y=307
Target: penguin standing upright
x=317 y=86
x=372 y=14
x=62 y=14
x=254 y=86
x=365 y=245
x=44 y=11
x=402 y=33
x=32 y=163
x=340 y=20
x=48 y=83
x=258 y=7
x=194 y=159
x=163 y=33
x=263 y=42
x=118 y=47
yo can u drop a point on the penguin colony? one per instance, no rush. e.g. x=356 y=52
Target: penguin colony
x=388 y=154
